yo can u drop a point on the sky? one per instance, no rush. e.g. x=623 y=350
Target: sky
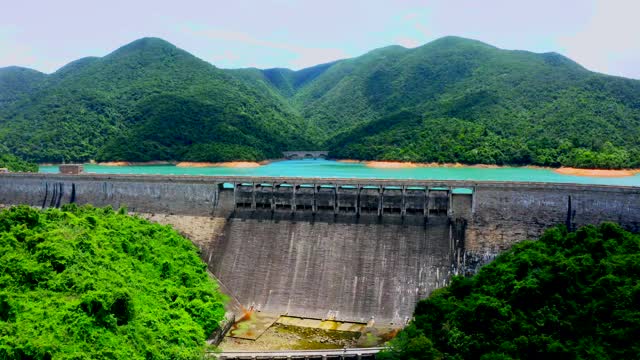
x=602 y=35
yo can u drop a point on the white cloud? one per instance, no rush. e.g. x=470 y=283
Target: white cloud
x=304 y=56
x=408 y=42
x=12 y=52
x=609 y=42
x=226 y=56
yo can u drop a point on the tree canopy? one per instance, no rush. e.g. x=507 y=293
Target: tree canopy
x=146 y=100
x=90 y=283
x=13 y=163
x=575 y=294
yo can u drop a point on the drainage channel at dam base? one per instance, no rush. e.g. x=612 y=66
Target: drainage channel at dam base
x=264 y=335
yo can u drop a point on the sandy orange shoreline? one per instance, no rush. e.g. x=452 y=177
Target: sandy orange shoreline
x=402 y=165
x=408 y=165
x=562 y=170
x=231 y=164
x=597 y=172
x=115 y=163
x=133 y=163
x=187 y=164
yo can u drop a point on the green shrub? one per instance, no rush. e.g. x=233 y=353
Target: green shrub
x=88 y=283
x=13 y=163
x=572 y=293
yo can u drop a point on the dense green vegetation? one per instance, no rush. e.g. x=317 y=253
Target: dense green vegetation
x=458 y=100
x=198 y=135
x=451 y=100
x=90 y=283
x=13 y=163
x=147 y=100
x=409 y=136
x=17 y=82
x=572 y=293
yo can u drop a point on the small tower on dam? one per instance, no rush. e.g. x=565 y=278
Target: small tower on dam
x=71 y=169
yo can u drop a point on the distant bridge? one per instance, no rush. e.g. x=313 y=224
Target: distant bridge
x=353 y=353
x=294 y=155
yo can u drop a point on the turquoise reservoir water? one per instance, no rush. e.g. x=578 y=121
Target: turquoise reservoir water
x=328 y=168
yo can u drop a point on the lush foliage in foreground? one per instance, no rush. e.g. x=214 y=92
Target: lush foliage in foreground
x=13 y=163
x=574 y=293
x=87 y=283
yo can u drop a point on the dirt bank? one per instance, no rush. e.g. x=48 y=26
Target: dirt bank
x=233 y=164
x=563 y=170
x=597 y=172
x=284 y=337
x=408 y=165
x=115 y=163
x=134 y=163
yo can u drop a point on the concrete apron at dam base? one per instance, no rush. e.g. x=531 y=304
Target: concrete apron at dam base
x=258 y=332
x=359 y=250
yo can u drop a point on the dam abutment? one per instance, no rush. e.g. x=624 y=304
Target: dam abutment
x=349 y=249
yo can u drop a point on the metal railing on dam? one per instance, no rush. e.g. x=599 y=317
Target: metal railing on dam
x=349 y=249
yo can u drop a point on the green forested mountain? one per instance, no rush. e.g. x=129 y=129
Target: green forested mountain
x=451 y=100
x=148 y=101
x=286 y=82
x=457 y=100
x=569 y=295
x=17 y=82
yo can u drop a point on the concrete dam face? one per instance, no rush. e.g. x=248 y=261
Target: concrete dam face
x=347 y=249
x=330 y=269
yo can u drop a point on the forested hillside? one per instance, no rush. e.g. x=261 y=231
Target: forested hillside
x=13 y=163
x=17 y=82
x=148 y=101
x=459 y=100
x=90 y=283
x=566 y=296
x=451 y=100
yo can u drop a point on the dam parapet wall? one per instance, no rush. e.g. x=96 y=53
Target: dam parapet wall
x=525 y=207
x=349 y=249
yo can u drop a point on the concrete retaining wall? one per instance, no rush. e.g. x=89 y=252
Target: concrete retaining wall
x=137 y=193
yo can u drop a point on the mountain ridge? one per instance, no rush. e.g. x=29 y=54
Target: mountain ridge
x=95 y=106
x=447 y=38
x=507 y=107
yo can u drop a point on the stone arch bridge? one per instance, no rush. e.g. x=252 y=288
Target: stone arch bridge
x=296 y=155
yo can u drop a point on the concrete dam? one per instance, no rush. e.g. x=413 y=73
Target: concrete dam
x=345 y=249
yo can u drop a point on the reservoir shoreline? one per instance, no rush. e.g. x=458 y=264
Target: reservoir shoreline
x=561 y=170
x=186 y=164
x=360 y=168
